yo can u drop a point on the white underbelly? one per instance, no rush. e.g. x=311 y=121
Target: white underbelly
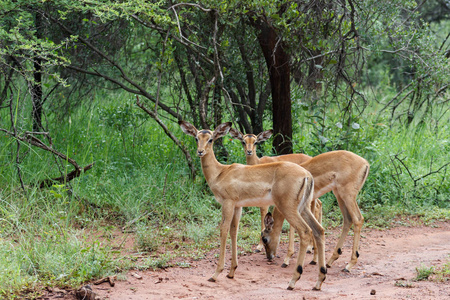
x=323 y=190
x=256 y=202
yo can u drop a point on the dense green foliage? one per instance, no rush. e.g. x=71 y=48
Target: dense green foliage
x=374 y=83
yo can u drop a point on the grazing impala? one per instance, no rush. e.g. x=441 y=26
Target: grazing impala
x=249 y=141
x=342 y=172
x=286 y=185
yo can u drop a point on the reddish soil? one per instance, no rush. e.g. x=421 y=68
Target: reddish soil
x=386 y=266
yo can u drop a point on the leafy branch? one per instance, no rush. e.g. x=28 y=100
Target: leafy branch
x=415 y=180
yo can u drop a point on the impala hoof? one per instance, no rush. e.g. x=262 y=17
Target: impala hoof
x=230 y=277
x=257 y=250
x=212 y=279
x=284 y=265
x=313 y=263
x=315 y=289
x=345 y=270
x=328 y=266
x=290 y=288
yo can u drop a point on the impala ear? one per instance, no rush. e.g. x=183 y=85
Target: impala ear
x=221 y=130
x=268 y=221
x=264 y=136
x=236 y=134
x=188 y=128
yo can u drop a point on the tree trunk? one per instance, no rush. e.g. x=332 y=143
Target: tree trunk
x=36 y=96
x=36 y=86
x=277 y=61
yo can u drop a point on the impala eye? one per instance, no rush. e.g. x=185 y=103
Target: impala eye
x=196 y=139
x=210 y=141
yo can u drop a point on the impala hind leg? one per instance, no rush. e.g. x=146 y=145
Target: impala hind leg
x=319 y=243
x=263 y=211
x=358 y=221
x=345 y=229
x=227 y=216
x=304 y=232
x=233 y=233
x=310 y=248
x=316 y=209
x=352 y=215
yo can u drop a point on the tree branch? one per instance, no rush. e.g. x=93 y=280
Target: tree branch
x=140 y=89
x=30 y=138
x=170 y=135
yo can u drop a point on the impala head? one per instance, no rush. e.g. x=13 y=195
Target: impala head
x=249 y=141
x=205 y=138
x=269 y=237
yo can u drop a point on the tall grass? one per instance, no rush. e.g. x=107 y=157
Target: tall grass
x=40 y=246
x=140 y=183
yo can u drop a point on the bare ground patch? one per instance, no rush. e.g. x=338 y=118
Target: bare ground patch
x=385 y=270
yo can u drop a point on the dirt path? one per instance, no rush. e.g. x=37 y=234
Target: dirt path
x=387 y=257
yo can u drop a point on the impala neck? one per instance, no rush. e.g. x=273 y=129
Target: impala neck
x=252 y=159
x=210 y=166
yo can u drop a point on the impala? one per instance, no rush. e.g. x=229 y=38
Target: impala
x=249 y=142
x=286 y=185
x=342 y=172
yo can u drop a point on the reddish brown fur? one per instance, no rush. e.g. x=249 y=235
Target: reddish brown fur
x=235 y=186
x=342 y=172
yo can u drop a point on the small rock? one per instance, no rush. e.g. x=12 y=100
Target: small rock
x=373 y=292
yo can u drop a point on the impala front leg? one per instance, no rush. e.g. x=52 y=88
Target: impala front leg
x=263 y=211
x=233 y=234
x=291 y=247
x=227 y=216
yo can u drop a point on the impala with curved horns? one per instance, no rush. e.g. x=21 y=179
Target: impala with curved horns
x=342 y=172
x=286 y=185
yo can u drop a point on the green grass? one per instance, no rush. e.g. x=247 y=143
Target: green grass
x=433 y=273
x=140 y=184
x=423 y=273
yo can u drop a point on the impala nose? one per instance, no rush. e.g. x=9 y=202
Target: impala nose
x=249 y=152
x=200 y=153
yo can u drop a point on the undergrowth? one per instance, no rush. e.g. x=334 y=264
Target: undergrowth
x=140 y=184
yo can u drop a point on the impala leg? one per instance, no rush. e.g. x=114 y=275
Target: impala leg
x=233 y=233
x=291 y=246
x=311 y=245
x=358 y=221
x=227 y=216
x=345 y=228
x=338 y=249
x=304 y=231
x=277 y=226
x=263 y=211
x=319 y=243
x=316 y=209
